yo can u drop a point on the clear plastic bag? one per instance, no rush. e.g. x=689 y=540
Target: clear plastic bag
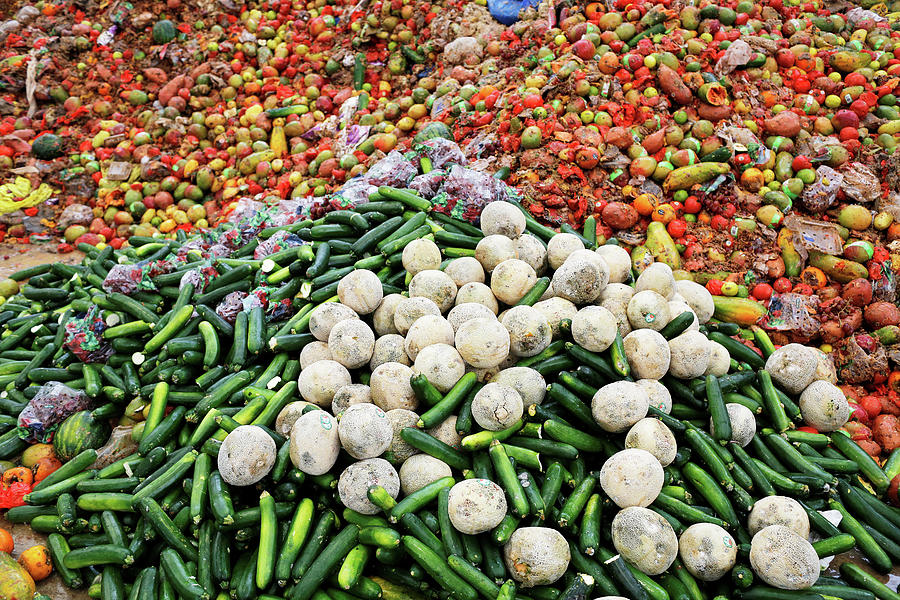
x=820 y=195
x=442 y=152
x=793 y=312
x=815 y=235
x=860 y=183
x=466 y=192
x=884 y=289
x=50 y=406
x=199 y=277
x=220 y=251
x=889 y=204
x=393 y=170
x=354 y=192
x=428 y=184
x=76 y=214
x=119 y=445
x=856 y=364
x=737 y=55
x=124 y=279
x=248 y=213
x=280 y=241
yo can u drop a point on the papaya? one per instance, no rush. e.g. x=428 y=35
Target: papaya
x=839 y=269
x=703 y=278
x=277 y=140
x=683 y=178
x=793 y=262
x=785 y=123
x=662 y=246
x=15 y=582
x=742 y=311
x=641 y=258
x=846 y=62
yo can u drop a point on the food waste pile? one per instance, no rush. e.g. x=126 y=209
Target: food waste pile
x=750 y=145
x=407 y=406
x=227 y=168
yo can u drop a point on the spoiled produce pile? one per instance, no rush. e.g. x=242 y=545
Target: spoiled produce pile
x=392 y=300
x=751 y=145
x=398 y=404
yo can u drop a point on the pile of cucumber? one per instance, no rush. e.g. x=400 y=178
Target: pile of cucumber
x=162 y=524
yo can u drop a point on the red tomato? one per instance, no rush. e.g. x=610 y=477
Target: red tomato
x=848 y=133
x=801 y=162
x=782 y=285
x=676 y=228
x=803 y=288
x=692 y=205
x=533 y=100
x=714 y=286
x=762 y=291
x=872 y=405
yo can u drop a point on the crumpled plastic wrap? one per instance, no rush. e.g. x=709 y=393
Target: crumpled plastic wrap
x=278 y=311
x=290 y=211
x=257 y=297
x=884 y=288
x=119 y=445
x=889 y=204
x=231 y=305
x=737 y=55
x=280 y=241
x=124 y=279
x=84 y=337
x=127 y=279
x=820 y=195
x=794 y=313
x=51 y=405
x=199 y=277
x=249 y=213
x=76 y=214
x=860 y=183
x=353 y=193
x=428 y=184
x=465 y=193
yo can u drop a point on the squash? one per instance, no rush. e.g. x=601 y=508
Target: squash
x=80 y=431
x=164 y=31
x=47 y=147
x=15 y=582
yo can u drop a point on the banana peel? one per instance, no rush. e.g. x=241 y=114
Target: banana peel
x=662 y=246
x=684 y=178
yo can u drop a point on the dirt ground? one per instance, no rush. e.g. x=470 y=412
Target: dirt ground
x=12 y=258
x=17 y=256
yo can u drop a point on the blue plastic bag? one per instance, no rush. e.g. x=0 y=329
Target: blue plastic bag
x=507 y=11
